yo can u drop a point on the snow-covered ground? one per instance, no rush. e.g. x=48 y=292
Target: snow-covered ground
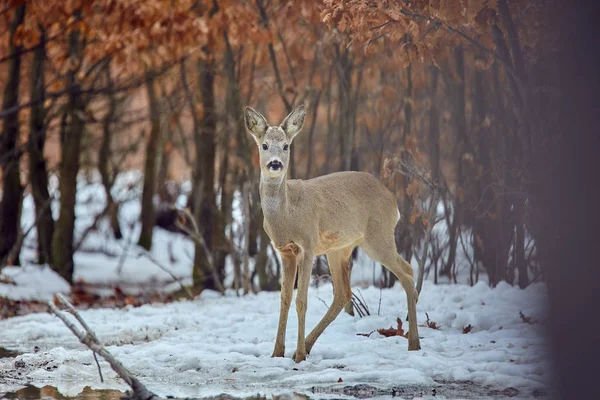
x=220 y=344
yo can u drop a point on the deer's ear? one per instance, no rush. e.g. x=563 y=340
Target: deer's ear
x=256 y=124
x=292 y=124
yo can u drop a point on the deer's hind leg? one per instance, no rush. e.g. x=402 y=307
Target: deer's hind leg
x=339 y=266
x=382 y=248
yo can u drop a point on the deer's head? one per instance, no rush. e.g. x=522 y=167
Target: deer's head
x=274 y=141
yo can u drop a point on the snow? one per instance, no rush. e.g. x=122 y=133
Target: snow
x=32 y=282
x=217 y=344
x=101 y=260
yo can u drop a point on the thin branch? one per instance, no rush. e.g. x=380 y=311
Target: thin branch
x=265 y=22
x=199 y=239
x=99 y=369
x=16 y=249
x=125 y=250
x=509 y=68
x=149 y=256
x=132 y=84
x=92 y=226
x=89 y=339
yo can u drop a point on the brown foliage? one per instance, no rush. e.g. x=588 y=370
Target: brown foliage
x=398 y=331
x=430 y=324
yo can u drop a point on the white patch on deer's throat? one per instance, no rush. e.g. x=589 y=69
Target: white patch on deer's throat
x=271 y=204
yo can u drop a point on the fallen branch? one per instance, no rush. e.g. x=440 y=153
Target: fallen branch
x=90 y=339
x=366 y=334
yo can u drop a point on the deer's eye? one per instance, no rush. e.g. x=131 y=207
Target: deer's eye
x=286 y=147
x=265 y=147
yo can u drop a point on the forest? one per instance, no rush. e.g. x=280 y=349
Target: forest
x=123 y=140
x=94 y=89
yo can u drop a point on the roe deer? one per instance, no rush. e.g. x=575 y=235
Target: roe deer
x=329 y=215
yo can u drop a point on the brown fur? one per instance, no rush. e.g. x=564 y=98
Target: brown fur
x=329 y=215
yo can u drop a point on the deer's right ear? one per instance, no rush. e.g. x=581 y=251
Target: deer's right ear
x=256 y=124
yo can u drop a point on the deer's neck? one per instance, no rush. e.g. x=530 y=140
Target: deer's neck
x=273 y=196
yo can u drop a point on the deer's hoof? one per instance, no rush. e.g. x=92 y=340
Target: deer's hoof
x=278 y=353
x=298 y=356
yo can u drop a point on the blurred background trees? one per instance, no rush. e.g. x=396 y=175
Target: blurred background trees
x=451 y=87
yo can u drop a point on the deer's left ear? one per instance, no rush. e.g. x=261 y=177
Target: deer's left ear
x=292 y=124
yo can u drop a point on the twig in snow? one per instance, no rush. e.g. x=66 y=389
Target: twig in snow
x=90 y=339
x=149 y=256
x=379 y=306
x=99 y=369
x=322 y=301
x=360 y=305
x=366 y=334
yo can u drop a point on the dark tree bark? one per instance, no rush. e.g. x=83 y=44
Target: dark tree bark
x=71 y=135
x=311 y=134
x=406 y=235
x=12 y=191
x=344 y=74
x=148 y=212
x=455 y=217
x=205 y=204
x=38 y=173
x=104 y=159
x=434 y=128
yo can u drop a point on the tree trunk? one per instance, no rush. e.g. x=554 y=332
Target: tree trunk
x=147 y=215
x=38 y=174
x=205 y=168
x=104 y=158
x=454 y=219
x=329 y=157
x=311 y=134
x=12 y=191
x=71 y=135
x=434 y=128
x=246 y=217
x=344 y=110
x=407 y=232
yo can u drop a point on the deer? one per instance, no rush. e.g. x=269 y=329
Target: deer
x=327 y=215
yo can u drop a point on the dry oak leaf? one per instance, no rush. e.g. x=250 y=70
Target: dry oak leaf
x=394 y=331
x=431 y=324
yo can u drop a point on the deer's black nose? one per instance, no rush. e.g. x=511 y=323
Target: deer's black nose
x=275 y=165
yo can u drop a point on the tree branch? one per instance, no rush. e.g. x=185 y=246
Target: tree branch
x=89 y=339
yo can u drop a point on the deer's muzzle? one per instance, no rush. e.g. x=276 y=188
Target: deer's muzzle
x=275 y=165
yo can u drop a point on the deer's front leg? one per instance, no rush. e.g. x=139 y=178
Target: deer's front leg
x=287 y=290
x=304 y=271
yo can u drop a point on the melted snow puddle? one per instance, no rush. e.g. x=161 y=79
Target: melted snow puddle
x=6 y=353
x=441 y=391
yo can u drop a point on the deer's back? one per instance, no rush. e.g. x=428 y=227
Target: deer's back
x=342 y=206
